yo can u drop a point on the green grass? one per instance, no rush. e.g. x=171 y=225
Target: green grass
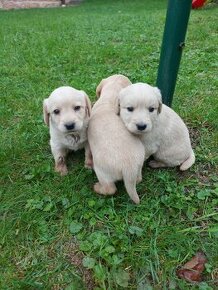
x=51 y=225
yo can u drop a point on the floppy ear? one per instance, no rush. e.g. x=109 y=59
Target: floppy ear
x=99 y=88
x=45 y=112
x=88 y=104
x=117 y=104
x=159 y=97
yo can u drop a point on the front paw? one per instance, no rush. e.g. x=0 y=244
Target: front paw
x=61 y=167
x=89 y=164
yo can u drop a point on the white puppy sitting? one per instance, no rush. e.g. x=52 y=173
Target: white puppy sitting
x=66 y=112
x=117 y=154
x=164 y=134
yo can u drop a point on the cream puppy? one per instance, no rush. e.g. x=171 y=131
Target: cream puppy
x=117 y=154
x=163 y=132
x=66 y=112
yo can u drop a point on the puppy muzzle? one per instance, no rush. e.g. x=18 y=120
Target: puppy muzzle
x=70 y=126
x=141 y=127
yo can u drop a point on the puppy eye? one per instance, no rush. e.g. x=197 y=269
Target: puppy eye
x=151 y=109
x=56 y=111
x=77 y=108
x=130 y=109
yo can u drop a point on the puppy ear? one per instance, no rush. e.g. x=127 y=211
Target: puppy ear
x=117 y=105
x=88 y=104
x=159 y=97
x=45 y=112
x=121 y=93
x=99 y=88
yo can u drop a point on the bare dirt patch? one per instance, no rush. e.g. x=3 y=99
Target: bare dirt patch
x=75 y=257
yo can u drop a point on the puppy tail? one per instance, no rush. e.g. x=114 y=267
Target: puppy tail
x=130 y=184
x=188 y=162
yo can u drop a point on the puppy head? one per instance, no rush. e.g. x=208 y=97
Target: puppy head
x=67 y=109
x=118 y=79
x=99 y=88
x=140 y=105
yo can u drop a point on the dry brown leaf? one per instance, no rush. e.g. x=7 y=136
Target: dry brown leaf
x=193 y=269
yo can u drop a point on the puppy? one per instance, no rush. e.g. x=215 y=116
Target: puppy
x=162 y=131
x=117 y=154
x=66 y=112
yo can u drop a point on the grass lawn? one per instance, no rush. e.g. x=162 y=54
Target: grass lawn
x=55 y=232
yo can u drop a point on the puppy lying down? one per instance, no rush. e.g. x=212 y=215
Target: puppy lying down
x=117 y=154
x=66 y=112
x=162 y=131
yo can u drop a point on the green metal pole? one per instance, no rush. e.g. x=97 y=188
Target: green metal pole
x=178 y=12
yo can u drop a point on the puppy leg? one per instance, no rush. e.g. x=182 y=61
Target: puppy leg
x=88 y=157
x=105 y=186
x=60 y=160
x=60 y=166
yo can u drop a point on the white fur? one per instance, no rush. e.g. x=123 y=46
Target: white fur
x=66 y=112
x=117 y=154
x=163 y=132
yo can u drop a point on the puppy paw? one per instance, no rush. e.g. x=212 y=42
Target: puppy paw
x=60 y=166
x=97 y=187
x=105 y=189
x=62 y=169
x=156 y=164
x=89 y=164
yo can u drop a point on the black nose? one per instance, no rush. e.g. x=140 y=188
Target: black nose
x=141 y=127
x=70 y=126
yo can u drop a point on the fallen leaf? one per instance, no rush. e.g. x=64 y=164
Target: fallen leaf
x=193 y=269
